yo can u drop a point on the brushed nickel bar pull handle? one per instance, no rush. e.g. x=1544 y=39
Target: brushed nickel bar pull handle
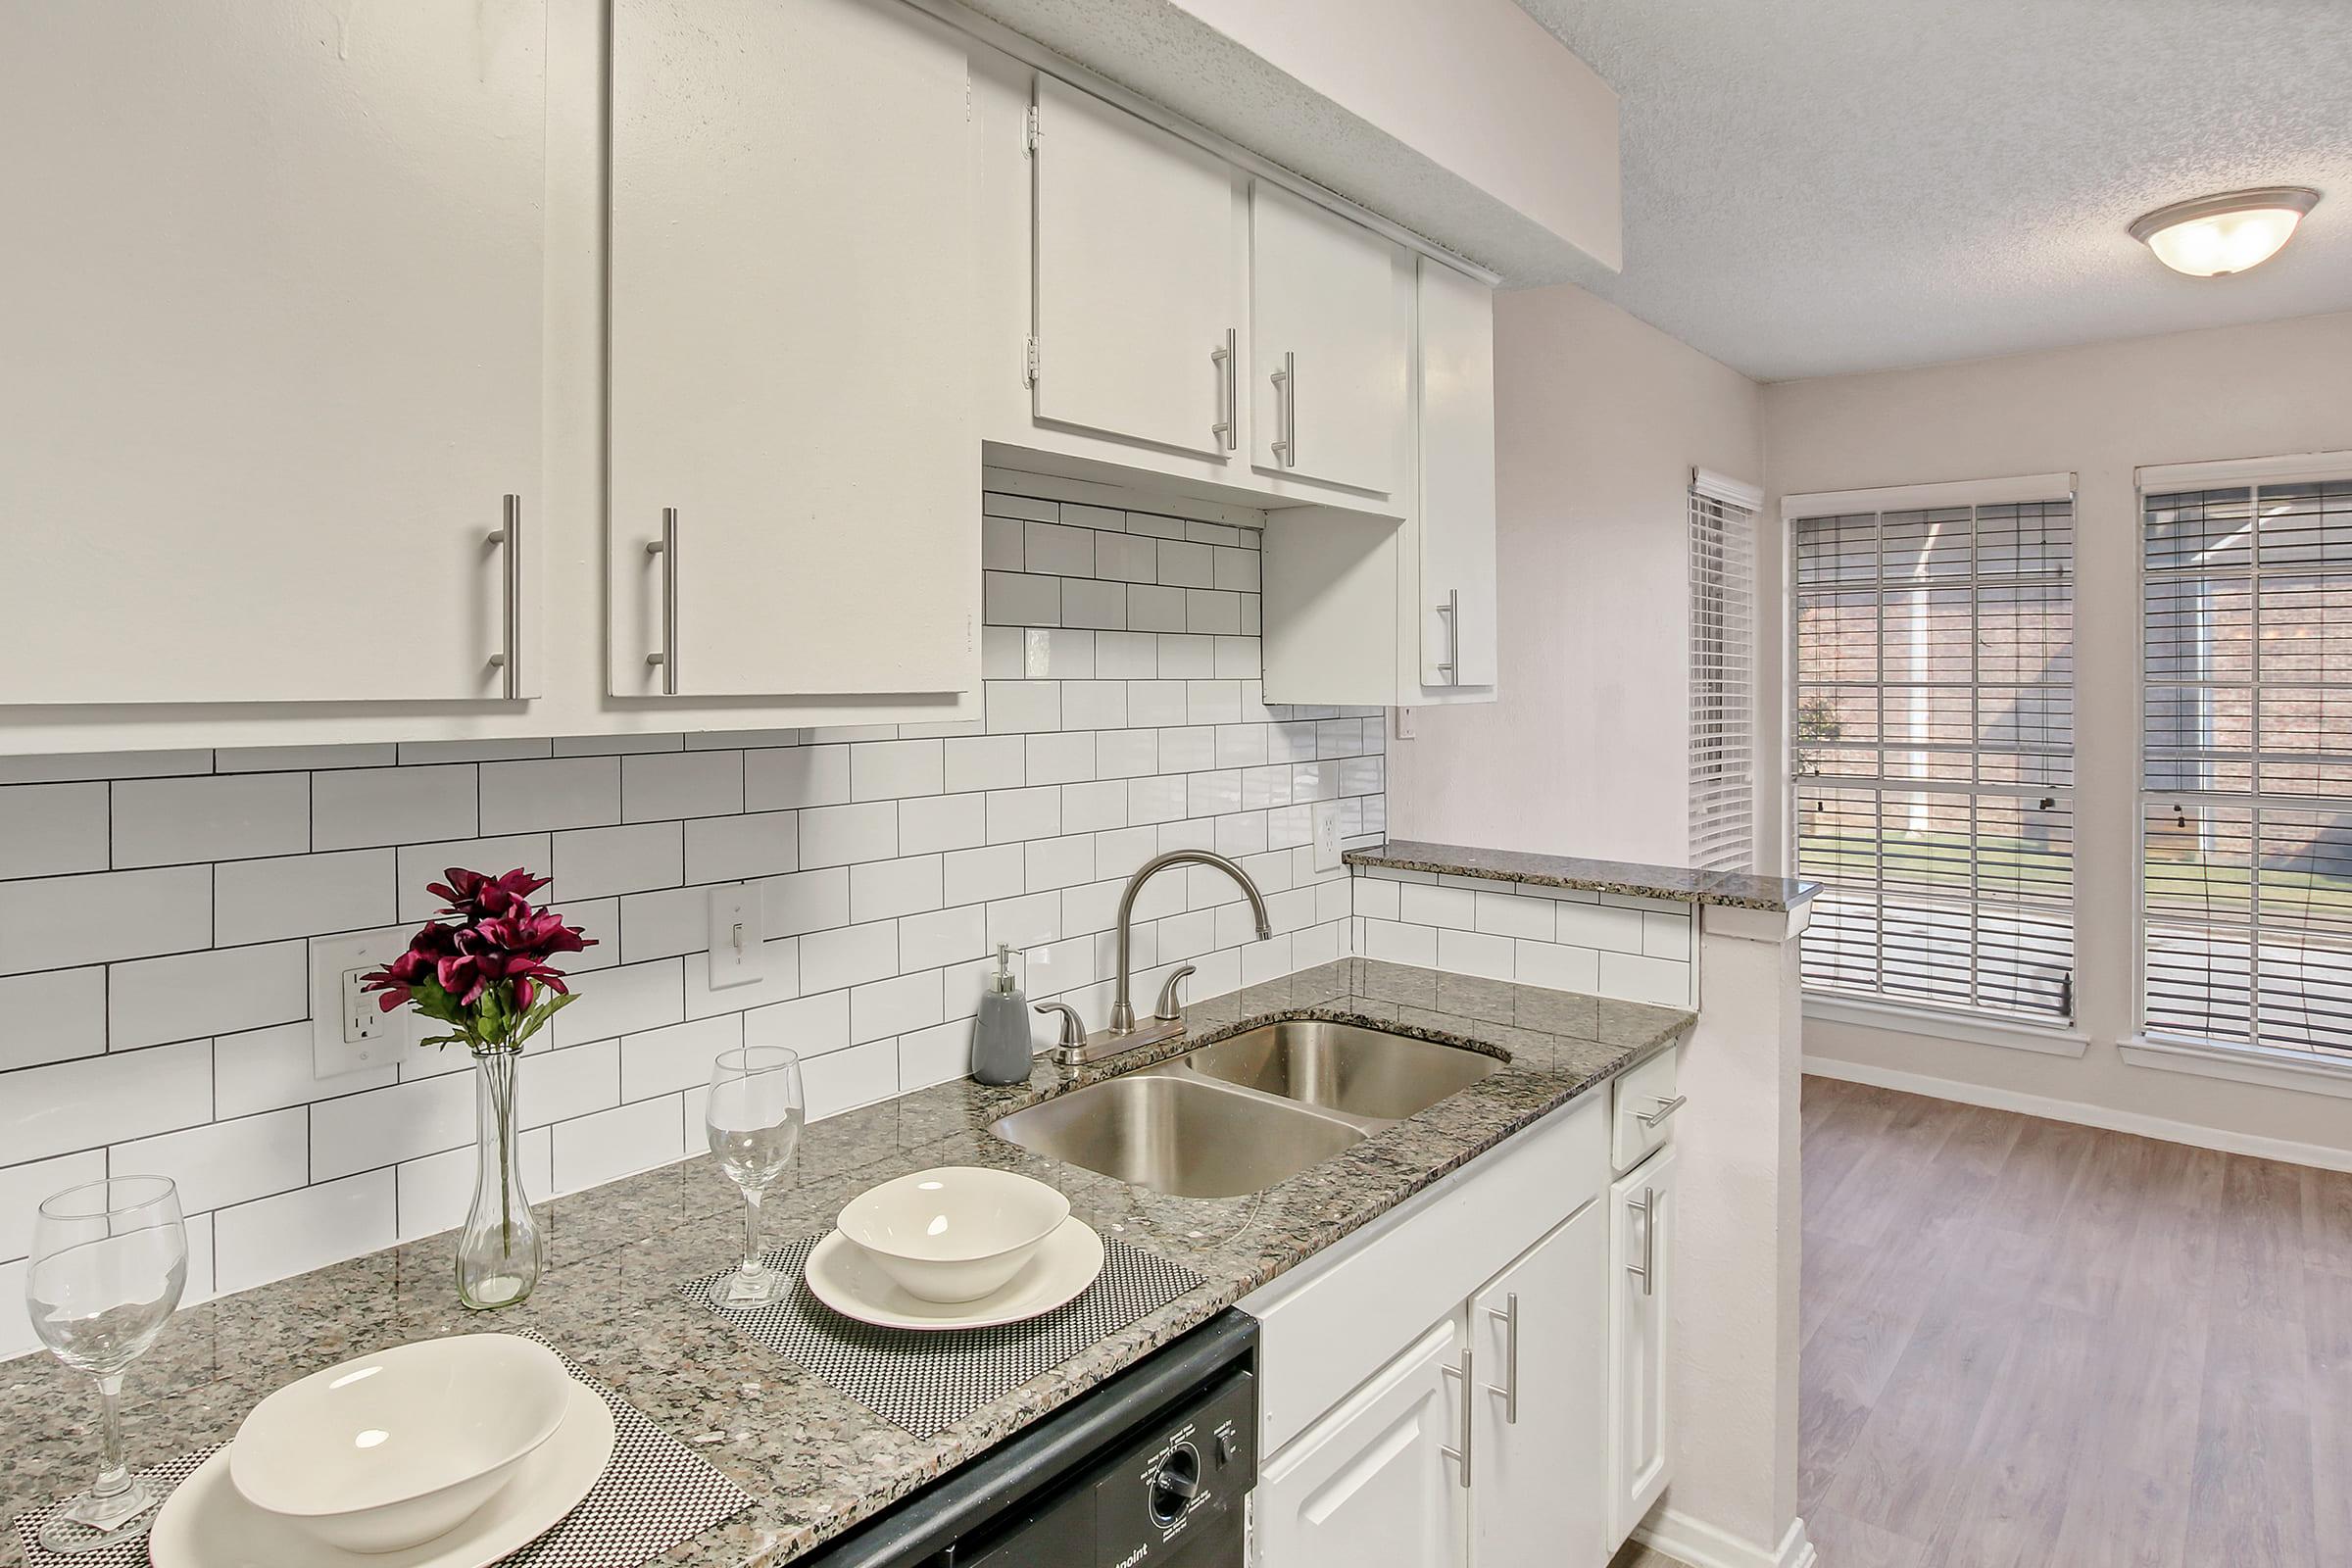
x=1508 y=1317
x=1229 y=360
x=1469 y=1381
x=1451 y=610
x=509 y=659
x=666 y=547
x=1286 y=388
x=1646 y=1271
x=1666 y=1108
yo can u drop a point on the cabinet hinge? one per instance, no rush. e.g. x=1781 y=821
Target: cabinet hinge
x=1029 y=130
x=1029 y=369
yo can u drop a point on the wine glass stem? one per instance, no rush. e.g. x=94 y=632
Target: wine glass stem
x=113 y=1477
x=751 y=1230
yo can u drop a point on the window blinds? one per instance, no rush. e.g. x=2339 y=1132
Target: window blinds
x=1722 y=686
x=2247 y=770
x=1933 y=750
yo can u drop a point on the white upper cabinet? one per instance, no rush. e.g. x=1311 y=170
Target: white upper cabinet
x=791 y=320
x=1456 y=386
x=272 y=363
x=1139 y=279
x=1331 y=311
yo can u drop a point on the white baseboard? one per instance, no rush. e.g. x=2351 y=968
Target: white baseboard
x=2323 y=1155
x=1703 y=1545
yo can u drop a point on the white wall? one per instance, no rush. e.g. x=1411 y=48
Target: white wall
x=1599 y=421
x=2100 y=411
x=154 y=907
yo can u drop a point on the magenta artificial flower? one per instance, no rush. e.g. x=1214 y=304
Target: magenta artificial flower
x=498 y=951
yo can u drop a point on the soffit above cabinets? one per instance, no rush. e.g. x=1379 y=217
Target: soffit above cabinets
x=1466 y=124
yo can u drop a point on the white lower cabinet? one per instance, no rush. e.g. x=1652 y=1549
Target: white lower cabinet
x=1538 y=1335
x=1479 y=1439
x=1642 y=1208
x=1377 y=1482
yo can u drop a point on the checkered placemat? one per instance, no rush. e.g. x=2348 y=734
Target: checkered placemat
x=928 y=1381
x=654 y=1493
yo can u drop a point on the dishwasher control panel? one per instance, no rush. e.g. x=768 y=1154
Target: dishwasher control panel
x=1178 y=1494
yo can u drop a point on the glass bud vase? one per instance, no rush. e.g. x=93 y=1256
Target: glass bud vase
x=500 y=1250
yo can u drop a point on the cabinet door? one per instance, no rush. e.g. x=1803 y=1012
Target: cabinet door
x=791 y=369
x=1455 y=614
x=1372 y=1485
x=1640 y=1334
x=272 y=354
x=1329 y=305
x=1138 y=278
x=1540 y=1333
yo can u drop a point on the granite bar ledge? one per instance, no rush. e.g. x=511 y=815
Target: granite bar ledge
x=1731 y=888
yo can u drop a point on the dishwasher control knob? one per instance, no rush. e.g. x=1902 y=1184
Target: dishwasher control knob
x=1176 y=1484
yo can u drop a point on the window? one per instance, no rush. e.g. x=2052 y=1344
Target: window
x=1932 y=743
x=2247 y=756
x=1722 y=665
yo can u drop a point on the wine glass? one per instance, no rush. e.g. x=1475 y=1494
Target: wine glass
x=108 y=1261
x=754 y=1118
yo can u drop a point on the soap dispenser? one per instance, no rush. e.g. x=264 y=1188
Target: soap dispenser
x=1000 y=1029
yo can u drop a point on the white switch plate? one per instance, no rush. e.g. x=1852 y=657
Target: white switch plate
x=734 y=936
x=1327 y=835
x=350 y=1032
x=1404 y=723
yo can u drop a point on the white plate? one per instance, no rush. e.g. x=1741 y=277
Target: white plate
x=207 y=1524
x=847 y=1279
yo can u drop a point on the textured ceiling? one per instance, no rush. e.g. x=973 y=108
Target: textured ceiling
x=1816 y=186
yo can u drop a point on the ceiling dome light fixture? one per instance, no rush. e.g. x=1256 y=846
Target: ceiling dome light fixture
x=2213 y=236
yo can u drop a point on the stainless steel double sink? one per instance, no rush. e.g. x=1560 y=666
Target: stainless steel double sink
x=1247 y=1112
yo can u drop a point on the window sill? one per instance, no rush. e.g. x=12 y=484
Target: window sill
x=2245 y=1064
x=1964 y=1027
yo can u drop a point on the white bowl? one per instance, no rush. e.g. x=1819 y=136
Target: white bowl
x=394 y=1448
x=953 y=1233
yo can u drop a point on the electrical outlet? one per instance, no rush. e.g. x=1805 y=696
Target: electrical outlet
x=350 y=1032
x=1404 y=723
x=1327 y=835
x=735 y=936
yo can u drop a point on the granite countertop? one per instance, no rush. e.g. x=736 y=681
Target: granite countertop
x=1734 y=888
x=815 y=1460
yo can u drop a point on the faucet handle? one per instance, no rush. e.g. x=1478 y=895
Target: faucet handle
x=1073 y=1030
x=1170 y=1008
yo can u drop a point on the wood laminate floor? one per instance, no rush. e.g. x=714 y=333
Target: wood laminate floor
x=2032 y=1345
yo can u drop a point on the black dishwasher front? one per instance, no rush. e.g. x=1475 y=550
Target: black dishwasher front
x=1152 y=1470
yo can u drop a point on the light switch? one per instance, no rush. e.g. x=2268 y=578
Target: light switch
x=1404 y=723
x=734 y=936
x=1327 y=835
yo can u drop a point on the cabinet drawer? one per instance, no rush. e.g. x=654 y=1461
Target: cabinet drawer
x=1646 y=1091
x=1334 y=1321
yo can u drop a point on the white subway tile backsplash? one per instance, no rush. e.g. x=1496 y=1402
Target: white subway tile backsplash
x=1108 y=683
x=154 y=1000
x=225 y=1162
x=307 y=1228
x=786 y=778
x=592 y=862
x=304 y=895
x=849 y=955
x=53 y=1016
x=360 y=808
x=53 y=829
x=843 y=835
x=1507 y=915
x=1424 y=905
x=1637 y=978
x=621 y=1142
x=556 y=793
x=1395 y=943
x=738 y=848
x=680 y=784
x=267 y=1069
x=1599 y=925
x=24 y=1187
x=1472 y=952
x=101 y=1099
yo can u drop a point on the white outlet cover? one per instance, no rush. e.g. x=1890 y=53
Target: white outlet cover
x=1327 y=835
x=331 y=1055
x=1404 y=723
